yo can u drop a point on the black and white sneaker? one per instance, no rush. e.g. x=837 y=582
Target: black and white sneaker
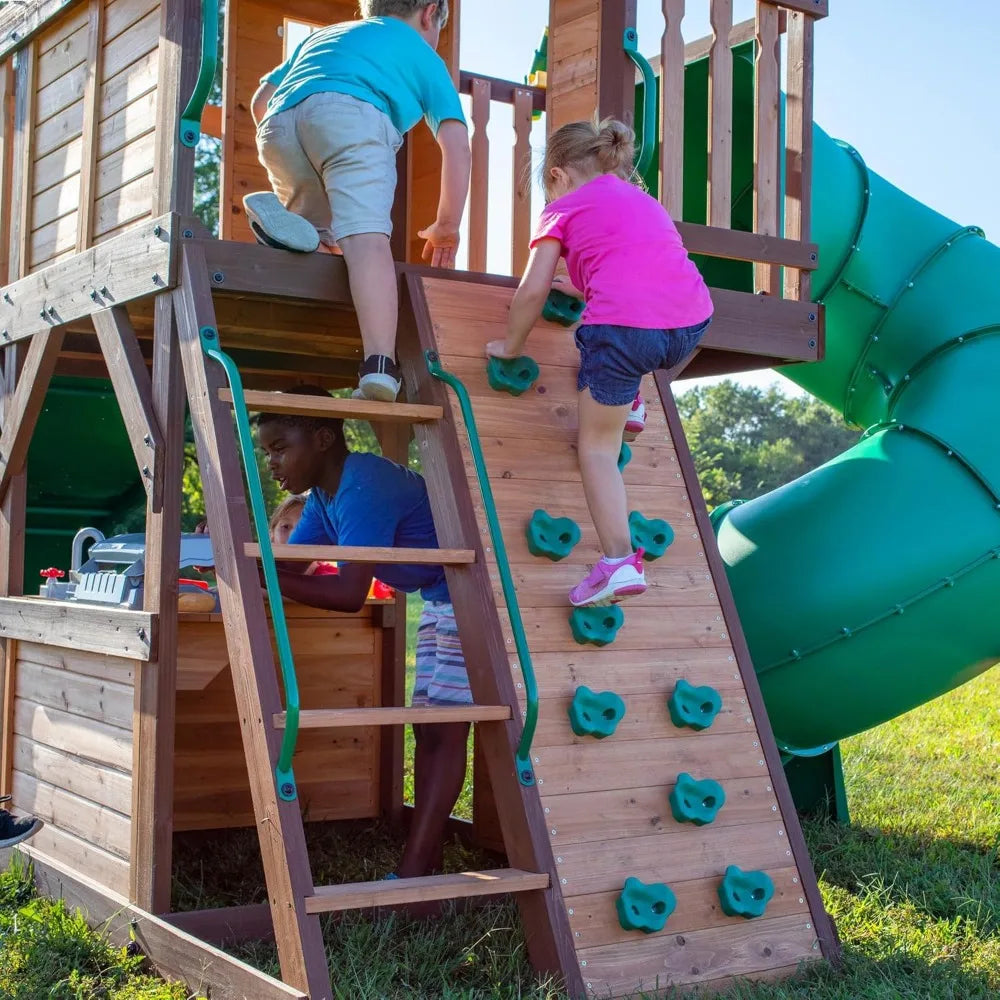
x=380 y=378
x=13 y=830
x=274 y=226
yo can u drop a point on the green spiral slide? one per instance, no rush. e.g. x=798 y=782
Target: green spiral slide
x=868 y=586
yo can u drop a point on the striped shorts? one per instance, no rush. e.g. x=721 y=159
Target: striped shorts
x=441 y=675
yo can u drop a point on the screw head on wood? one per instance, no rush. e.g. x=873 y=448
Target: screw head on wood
x=157 y=230
x=43 y=313
x=7 y=298
x=93 y=294
x=218 y=277
x=145 y=471
x=188 y=234
x=147 y=439
x=156 y=279
x=104 y=291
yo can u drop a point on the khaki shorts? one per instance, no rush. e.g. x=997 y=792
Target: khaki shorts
x=332 y=160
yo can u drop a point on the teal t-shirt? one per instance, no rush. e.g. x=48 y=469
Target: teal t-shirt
x=380 y=60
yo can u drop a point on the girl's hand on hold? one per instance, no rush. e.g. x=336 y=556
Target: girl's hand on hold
x=561 y=283
x=498 y=349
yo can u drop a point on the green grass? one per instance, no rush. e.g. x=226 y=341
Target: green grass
x=914 y=885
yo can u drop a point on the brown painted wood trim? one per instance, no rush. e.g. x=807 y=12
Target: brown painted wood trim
x=735 y=244
x=13 y=509
x=279 y=823
x=91 y=119
x=814 y=8
x=171 y=951
x=225 y=926
x=156 y=682
x=503 y=91
x=526 y=836
x=615 y=71
x=25 y=124
x=19 y=23
x=127 y=371
x=822 y=921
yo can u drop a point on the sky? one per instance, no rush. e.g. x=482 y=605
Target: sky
x=914 y=87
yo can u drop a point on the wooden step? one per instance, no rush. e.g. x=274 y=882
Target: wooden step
x=365 y=554
x=332 y=718
x=359 y=895
x=346 y=409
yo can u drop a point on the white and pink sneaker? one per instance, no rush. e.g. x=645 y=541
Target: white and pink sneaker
x=610 y=581
x=636 y=419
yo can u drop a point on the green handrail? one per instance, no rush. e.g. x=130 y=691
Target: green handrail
x=647 y=143
x=525 y=772
x=190 y=130
x=283 y=772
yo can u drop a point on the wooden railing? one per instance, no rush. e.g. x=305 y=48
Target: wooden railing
x=772 y=17
x=526 y=101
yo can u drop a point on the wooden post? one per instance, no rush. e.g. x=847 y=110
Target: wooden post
x=479 y=189
x=91 y=120
x=155 y=681
x=279 y=823
x=798 y=156
x=615 y=71
x=24 y=124
x=521 y=187
x=720 y=117
x=766 y=138
x=8 y=205
x=672 y=110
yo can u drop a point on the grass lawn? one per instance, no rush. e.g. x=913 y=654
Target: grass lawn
x=914 y=886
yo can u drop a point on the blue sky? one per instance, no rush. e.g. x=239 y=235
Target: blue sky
x=914 y=87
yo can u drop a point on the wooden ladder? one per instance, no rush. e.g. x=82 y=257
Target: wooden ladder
x=296 y=902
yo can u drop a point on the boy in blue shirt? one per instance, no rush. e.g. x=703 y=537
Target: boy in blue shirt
x=330 y=120
x=362 y=499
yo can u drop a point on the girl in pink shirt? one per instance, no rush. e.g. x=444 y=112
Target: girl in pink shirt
x=646 y=308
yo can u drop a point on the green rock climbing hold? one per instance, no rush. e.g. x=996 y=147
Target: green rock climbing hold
x=562 y=308
x=596 y=625
x=645 y=907
x=624 y=457
x=651 y=535
x=696 y=802
x=513 y=375
x=695 y=707
x=745 y=894
x=595 y=713
x=552 y=537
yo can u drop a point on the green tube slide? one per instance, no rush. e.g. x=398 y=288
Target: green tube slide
x=867 y=586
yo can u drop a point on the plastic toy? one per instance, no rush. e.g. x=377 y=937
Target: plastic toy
x=645 y=907
x=745 y=894
x=624 y=457
x=562 y=308
x=551 y=537
x=597 y=626
x=652 y=535
x=696 y=802
x=595 y=713
x=694 y=707
x=513 y=375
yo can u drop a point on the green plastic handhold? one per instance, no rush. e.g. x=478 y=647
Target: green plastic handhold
x=695 y=707
x=696 y=802
x=624 y=457
x=552 y=537
x=645 y=907
x=595 y=713
x=562 y=308
x=596 y=625
x=745 y=894
x=513 y=375
x=652 y=535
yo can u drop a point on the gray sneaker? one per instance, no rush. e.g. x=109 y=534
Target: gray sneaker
x=13 y=830
x=274 y=226
x=380 y=379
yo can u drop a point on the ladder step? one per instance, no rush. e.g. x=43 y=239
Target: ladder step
x=358 y=895
x=332 y=718
x=365 y=554
x=348 y=409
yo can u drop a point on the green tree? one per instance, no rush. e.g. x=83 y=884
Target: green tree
x=748 y=441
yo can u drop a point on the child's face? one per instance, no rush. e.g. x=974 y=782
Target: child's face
x=293 y=455
x=282 y=531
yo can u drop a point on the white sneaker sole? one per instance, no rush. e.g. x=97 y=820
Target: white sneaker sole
x=613 y=594
x=379 y=387
x=275 y=226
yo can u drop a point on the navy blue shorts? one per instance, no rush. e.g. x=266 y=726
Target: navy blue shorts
x=613 y=359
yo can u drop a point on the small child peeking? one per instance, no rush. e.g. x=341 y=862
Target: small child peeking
x=646 y=309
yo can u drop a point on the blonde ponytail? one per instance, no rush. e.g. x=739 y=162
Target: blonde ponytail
x=596 y=147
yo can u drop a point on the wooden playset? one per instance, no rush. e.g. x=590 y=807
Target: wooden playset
x=121 y=727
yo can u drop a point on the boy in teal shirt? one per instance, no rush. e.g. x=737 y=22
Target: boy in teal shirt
x=330 y=120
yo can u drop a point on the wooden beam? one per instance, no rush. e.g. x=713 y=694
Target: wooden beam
x=279 y=822
x=12 y=510
x=720 y=117
x=171 y=951
x=138 y=263
x=615 y=71
x=366 y=554
x=762 y=324
x=91 y=122
x=501 y=91
x=127 y=370
x=767 y=179
x=156 y=681
x=113 y=631
x=225 y=926
x=479 y=185
x=338 y=718
x=21 y=415
x=363 y=895
x=521 y=193
x=738 y=245
x=20 y=22
x=7 y=143
x=673 y=58
x=344 y=409
x=814 y=8
x=26 y=73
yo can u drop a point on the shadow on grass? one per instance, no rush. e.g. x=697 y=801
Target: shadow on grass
x=940 y=877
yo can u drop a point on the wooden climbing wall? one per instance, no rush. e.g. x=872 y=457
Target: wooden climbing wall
x=606 y=802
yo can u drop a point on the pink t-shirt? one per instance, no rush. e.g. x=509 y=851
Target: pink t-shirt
x=624 y=253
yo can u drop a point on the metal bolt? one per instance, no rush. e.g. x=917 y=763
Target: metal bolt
x=7 y=298
x=218 y=277
x=104 y=291
x=187 y=234
x=287 y=790
x=812 y=343
x=6 y=335
x=145 y=471
x=812 y=317
x=157 y=230
x=43 y=313
x=146 y=439
x=142 y=634
x=812 y=256
x=93 y=294
x=156 y=279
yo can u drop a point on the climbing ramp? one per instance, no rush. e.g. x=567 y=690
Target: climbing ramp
x=606 y=801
